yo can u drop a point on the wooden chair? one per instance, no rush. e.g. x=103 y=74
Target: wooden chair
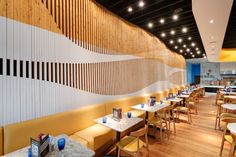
x=132 y=144
x=171 y=114
x=160 y=121
x=185 y=109
x=219 y=101
x=228 y=137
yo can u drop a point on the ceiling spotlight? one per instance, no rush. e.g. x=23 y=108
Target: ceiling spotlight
x=130 y=9
x=212 y=37
x=150 y=25
x=180 y=40
x=171 y=41
x=180 y=50
x=176 y=47
x=189 y=38
x=175 y=17
x=187 y=49
x=162 y=21
x=184 y=45
x=205 y=57
x=184 y=30
x=163 y=34
x=197 y=48
x=172 y=32
x=193 y=44
x=193 y=55
x=141 y=4
x=198 y=52
x=211 y=21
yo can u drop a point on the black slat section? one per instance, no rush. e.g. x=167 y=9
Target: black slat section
x=38 y=70
x=51 y=72
x=8 y=67
x=1 y=66
x=27 y=69
x=14 y=67
x=67 y=74
x=63 y=73
x=60 y=73
x=43 y=71
x=55 y=72
x=70 y=74
x=32 y=70
x=47 y=71
x=21 y=68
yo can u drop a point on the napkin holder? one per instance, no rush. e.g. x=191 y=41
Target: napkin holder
x=117 y=114
x=40 y=148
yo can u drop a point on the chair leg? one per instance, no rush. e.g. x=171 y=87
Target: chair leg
x=174 y=125
x=217 y=116
x=222 y=142
x=118 y=152
x=231 y=152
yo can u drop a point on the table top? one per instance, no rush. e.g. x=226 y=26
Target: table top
x=155 y=108
x=232 y=127
x=230 y=96
x=224 y=92
x=175 y=99
x=184 y=96
x=124 y=124
x=229 y=106
x=72 y=148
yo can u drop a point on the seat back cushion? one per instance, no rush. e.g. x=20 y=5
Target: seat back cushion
x=1 y=141
x=18 y=135
x=125 y=104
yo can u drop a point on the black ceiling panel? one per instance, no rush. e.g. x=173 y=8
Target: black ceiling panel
x=153 y=11
x=230 y=35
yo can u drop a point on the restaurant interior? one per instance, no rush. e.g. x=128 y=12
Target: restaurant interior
x=104 y=78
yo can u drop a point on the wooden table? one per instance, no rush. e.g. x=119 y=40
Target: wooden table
x=155 y=108
x=72 y=148
x=230 y=96
x=231 y=107
x=232 y=128
x=119 y=126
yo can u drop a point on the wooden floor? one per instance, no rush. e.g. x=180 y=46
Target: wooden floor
x=198 y=139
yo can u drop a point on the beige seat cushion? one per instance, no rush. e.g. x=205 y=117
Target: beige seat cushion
x=96 y=135
x=79 y=140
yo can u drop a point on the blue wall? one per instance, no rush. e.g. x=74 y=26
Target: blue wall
x=192 y=71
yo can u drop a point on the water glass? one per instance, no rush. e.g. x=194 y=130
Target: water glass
x=61 y=143
x=104 y=119
x=142 y=105
x=161 y=102
x=29 y=152
x=129 y=114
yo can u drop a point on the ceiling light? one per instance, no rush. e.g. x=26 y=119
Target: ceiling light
x=193 y=44
x=193 y=55
x=184 y=45
x=176 y=47
x=162 y=21
x=141 y=4
x=130 y=9
x=150 y=25
x=205 y=57
x=184 y=30
x=180 y=50
x=198 y=52
x=171 y=41
x=212 y=37
x=196 y=48
x=175 y=17
x=189 y=38
x=187 y=49
x=172 y=32
x=212 y=46
x=180 y=40
x=211 y=21
x=163 y=34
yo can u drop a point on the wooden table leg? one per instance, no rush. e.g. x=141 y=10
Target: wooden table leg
x=117 y=140
x=146 y=118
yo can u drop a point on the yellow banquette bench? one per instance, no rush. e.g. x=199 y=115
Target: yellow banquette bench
x=79 y=124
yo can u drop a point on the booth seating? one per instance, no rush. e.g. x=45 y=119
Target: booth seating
x=79 y=124
x=1 y=141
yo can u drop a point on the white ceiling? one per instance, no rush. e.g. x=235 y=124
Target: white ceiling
x=212 y=19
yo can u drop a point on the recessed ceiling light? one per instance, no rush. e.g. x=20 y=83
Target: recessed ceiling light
x=180 y=40
x=184 y=45
x=176 y=47
x=175 y=17
x=163 y=34
x=189 y=38
x=172 y=32
x=212 y=37
x=198 y=52
x=193 y=55
x=212 y=46
x=171 y=41
x=205 y=57
x=180 y=50
x=141 y=4
x=211 y=21
x=130 y=9
x=162 y=20
x=184 y=30
x=150 y=25
x=187 y=49
x=196 y=48
x=193 y=44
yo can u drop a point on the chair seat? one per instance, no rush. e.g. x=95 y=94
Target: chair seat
x=181 y=108
x=155 y=121
x=130 y=144
x=219 y=101
x=229 y=138
x=228 y=115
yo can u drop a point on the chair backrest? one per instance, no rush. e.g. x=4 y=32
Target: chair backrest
x=140 y=132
